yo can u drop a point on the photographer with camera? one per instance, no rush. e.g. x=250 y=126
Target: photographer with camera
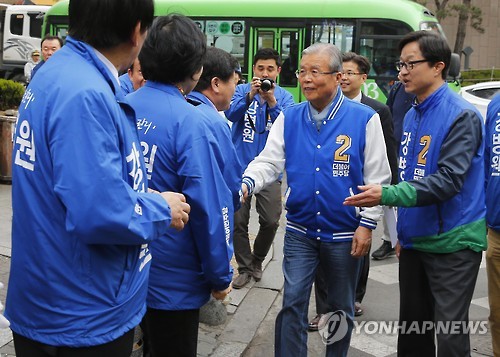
x=254 y=108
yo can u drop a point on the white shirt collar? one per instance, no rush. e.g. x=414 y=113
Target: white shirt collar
x=358 y=97
x=108 y=64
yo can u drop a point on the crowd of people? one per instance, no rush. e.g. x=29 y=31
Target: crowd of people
x=140 y=192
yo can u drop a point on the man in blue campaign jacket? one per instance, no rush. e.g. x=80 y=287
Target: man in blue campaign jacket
x=81 y=215
x=183 y=155
x=328 y=146
x=253 y=110
x=213 y=94
x=133 y=79
x=441 y=215
x=492 y=163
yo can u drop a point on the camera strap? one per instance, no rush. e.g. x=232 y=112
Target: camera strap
x=252 y=124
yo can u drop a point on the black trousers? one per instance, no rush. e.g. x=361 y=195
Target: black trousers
x=121 y=347
x=171 y=333
x=435 y=288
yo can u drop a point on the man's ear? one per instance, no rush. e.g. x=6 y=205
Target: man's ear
x=214 y=82
x=439 y=67
x=135 y=37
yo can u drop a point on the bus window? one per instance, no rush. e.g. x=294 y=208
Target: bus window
x=265 y=39
x=379 y=43
x=61 y=32
x=382 y=54
x=289 y=50
x=384 y=28
x=227 y=35
x=338 y=33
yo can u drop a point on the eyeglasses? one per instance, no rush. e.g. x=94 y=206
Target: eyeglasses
x=350 y=74
x=408 y=65
x=314 y=73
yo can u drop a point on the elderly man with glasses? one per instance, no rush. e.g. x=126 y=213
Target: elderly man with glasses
x=355 y=72
x=441 y=219
x=328 y=146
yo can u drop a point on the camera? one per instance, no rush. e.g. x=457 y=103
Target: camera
x=266 y=84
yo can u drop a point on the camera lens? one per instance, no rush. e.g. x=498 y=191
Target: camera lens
x=266 y=84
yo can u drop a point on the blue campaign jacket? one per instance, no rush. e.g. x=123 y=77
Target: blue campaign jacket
x=492 y=163
x=247 y=142
x=81 y=216
x=184 y=156
x=317 y=182
x=126 y=84
x=231 y=168
x=449 y=180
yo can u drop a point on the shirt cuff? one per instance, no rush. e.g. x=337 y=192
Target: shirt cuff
x=368 y=223
x=250 y=184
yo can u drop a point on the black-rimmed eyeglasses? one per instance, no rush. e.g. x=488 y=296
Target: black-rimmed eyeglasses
x=408 y=65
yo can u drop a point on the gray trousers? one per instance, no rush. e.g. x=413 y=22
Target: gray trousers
x=268 y=205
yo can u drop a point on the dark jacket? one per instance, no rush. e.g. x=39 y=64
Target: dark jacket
x=399 y=102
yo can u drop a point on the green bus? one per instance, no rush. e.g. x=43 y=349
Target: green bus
x=371 y=28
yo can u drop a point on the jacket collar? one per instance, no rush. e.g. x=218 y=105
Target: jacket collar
x=432 y=100
x=89 y=54
x=202 y=98
x=165 y=87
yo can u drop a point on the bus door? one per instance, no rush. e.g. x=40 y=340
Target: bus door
x=288 y=42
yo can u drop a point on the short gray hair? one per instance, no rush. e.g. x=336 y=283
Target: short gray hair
x=331 y=50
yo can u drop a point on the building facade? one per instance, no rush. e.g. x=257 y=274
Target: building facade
x=485 y=46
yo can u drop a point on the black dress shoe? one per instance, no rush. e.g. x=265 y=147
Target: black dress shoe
x=358 y=310
x=242 y=280
x=384 y=251
x=313 y=324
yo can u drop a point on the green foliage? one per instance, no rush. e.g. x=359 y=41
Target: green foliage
x=473 y=12
x=11 y=94
x=474 y=76
x=443 y=10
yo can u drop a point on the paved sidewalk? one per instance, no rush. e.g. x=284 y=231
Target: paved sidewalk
x=249 y=327
x=246 y=310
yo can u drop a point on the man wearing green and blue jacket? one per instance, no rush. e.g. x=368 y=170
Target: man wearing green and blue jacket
x=441 y=216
